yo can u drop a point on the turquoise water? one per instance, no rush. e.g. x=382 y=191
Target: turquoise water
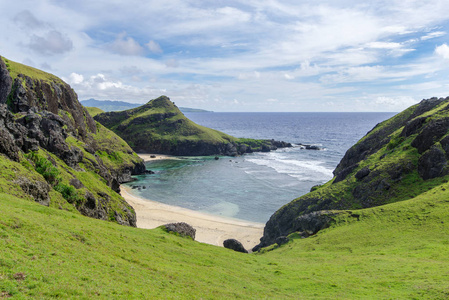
x=252 y=187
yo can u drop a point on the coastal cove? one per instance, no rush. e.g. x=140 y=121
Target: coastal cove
x=210 y=229
x=253 y=186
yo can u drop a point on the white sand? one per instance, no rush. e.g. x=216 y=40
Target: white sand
x=147 y=157
x=210 y=229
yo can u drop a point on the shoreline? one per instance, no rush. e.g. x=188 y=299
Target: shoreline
x=210 y=229
x=147 y=157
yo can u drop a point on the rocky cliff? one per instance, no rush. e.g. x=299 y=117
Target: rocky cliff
x=398 y=159
x=63 y=156
x=160 y=127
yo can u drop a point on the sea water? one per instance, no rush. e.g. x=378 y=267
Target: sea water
x=253 y=186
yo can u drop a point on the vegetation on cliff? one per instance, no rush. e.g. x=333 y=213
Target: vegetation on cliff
x=160 y=127
x=397 y=160
x=58 y=155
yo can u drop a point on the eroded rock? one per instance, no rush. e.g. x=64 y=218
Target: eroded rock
x=432 y=163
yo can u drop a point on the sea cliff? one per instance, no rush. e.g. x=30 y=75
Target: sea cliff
x=61 y=156
x=397 y=160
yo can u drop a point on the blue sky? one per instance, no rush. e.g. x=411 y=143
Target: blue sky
x=238 y=55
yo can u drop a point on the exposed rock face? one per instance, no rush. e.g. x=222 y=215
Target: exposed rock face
x=38 y=189
x=307 y=225
x=362 y=173
x=182 y=229
x=41 y=114
x=235 y=245
x=5 y=82
x=432 y=163
x=395 y=161
x=376 y=139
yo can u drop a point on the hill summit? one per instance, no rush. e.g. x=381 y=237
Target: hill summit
x=160 y=127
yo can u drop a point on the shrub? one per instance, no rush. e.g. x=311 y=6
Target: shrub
x=44 y=167
x=69 y=193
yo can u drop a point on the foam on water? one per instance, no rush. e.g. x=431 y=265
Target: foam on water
x=283 y=163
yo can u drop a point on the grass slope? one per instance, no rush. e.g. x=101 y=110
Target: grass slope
x=399 y=250
x=16 y=68
x=93 y=111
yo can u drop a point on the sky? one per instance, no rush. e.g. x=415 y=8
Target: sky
x=254 y=56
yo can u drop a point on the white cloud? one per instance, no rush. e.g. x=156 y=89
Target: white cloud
x=334 y=50
x=400 y=102
x=125 y=45
x=26 y=19
x=443 y=51
x=172 y=63
x=432 y=35
x=384 y=45
x=154 y=47
x=54 y=42
x=75 y=78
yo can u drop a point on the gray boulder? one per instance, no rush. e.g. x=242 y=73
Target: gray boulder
x=182 y=229
x=235 y=245
x=362 y=173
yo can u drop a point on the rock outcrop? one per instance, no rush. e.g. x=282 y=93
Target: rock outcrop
x=183 y=229
x=398 y=159
x=235 y=245
x=40 y=114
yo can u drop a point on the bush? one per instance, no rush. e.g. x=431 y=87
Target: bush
x=69 y=193
x=44 y=167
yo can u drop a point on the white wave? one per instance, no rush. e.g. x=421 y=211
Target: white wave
x=300 y=169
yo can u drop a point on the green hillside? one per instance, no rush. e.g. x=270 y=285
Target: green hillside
x=93 y=111
x=160 y=127
x=398 y=251
x=397 y=160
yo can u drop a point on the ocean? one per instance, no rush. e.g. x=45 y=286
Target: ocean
x=253 y=186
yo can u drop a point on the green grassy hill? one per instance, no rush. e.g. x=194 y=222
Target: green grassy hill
x=160 y=127
x=398 y=251
x=397 y=160
x=93 y=111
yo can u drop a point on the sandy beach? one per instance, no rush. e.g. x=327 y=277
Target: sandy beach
x=147 y=157
x=210 y=229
